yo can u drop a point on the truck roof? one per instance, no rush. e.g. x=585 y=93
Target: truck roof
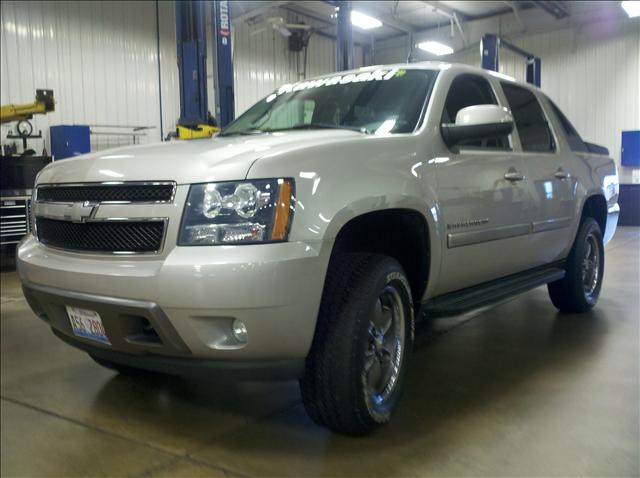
x=432 y=65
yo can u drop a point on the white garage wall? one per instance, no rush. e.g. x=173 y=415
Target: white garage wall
x=594 y=77
x=591 y=71
x=262 y=61
x=101 y=60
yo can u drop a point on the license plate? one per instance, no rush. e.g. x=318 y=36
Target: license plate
x=88 y=324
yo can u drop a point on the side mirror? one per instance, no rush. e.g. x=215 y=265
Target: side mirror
x=478 y=122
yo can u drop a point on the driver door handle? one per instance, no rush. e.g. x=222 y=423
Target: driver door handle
x=513 y=175
x=561 y=174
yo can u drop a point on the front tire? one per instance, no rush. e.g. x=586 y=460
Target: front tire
x=358 y=360
x=580 y=288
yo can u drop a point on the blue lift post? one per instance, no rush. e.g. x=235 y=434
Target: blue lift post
x=489 y=51
x=533 y=70
x=223 y=62
x=192 y=60
x=344 y=43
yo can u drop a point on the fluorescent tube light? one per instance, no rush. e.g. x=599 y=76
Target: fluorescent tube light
x=363 y=21
x=631 y=7
x=436 y=48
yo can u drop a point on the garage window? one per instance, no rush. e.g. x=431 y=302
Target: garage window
x=530 y=120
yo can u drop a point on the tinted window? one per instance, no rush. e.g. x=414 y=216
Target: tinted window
x=378 y=101
x=532 y=125
x=470 y=90
x=573 y=138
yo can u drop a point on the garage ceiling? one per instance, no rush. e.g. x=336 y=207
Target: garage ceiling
x=402 y=17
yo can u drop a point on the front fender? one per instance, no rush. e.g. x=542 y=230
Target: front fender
x=338 y=182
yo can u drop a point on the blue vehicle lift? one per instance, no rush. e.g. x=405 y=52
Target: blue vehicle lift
x=192 y=62
x=224 y=62
x=192 y=67
x=489 y=49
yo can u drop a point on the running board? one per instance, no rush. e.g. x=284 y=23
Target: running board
x=488 y=293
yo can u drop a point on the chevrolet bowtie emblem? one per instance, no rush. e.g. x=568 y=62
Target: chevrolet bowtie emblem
x=75 y=212
x=81 y=211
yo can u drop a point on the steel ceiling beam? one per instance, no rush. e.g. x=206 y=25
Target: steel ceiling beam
x=445 y=9
x=554 y=8
x=516 y=13
x=259 y=11
x=452 y=14
x=388 y=20
x=397 y=24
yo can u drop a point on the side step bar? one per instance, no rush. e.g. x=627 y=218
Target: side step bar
x=461 y=301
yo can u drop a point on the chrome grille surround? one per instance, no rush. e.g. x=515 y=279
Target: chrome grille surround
x=73 y=225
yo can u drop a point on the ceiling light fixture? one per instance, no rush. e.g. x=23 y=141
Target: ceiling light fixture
x=631 y=7
x=363 y=21
x=435 y=48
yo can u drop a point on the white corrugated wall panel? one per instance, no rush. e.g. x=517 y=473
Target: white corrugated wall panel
x=262 y=60
x=591 y=71
x=169 y=66
x=593 y=75
x=101 y=60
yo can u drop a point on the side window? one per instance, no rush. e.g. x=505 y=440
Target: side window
x=469 y=90
x=573 y=138
x=530 y=120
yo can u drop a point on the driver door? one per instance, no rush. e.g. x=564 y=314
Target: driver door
x=483 y=199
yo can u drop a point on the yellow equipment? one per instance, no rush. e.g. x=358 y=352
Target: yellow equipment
x=44 y=103
x=200 y=131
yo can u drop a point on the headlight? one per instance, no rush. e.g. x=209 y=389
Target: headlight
x=238 y=212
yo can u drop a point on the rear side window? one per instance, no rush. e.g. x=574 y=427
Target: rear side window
x=533 y=128
x=469 y=90
x=573 y=138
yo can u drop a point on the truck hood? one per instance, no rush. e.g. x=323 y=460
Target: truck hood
x=193 y=161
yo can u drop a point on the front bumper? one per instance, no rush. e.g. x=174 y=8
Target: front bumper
x=189 y=298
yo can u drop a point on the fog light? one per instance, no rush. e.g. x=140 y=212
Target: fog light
x=240 y=331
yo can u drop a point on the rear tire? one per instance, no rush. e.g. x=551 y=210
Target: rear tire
x=580 y=288
x=359 y=356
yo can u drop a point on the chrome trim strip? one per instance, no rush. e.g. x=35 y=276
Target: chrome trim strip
x=111 y=183
x=165 y=226
x=468 y=238
x=550 y=224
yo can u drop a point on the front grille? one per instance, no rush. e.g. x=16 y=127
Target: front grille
x=102 y=236
x=161 y=192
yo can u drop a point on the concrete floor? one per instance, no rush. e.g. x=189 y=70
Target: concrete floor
x=515 y=390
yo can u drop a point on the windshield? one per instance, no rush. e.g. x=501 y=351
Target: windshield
x=377 y=101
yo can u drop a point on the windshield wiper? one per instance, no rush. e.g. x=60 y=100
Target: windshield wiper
x=243 y=132
x=359 y=129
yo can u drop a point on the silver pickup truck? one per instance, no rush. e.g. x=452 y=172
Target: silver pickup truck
x=306 y=238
